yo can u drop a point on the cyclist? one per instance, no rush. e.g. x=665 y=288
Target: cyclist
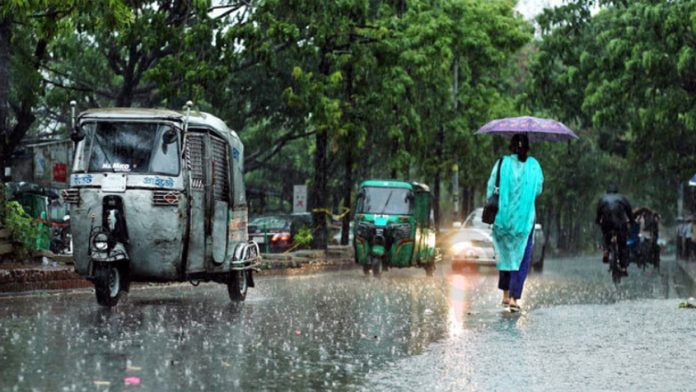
x=613 y=212
x=649 y=221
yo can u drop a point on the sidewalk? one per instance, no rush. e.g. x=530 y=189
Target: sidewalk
x=689 y=267
x=27 y=277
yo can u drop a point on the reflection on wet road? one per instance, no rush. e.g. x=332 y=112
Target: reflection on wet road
x=341 y=330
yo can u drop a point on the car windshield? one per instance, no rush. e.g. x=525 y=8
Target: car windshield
x=474 y=220
x=379 y=200
x=471 y=235
x=131 y=147
x=270 y=222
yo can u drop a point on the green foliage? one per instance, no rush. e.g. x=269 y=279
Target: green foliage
x=624 y=78
x=379 y=88
x=22 y=227
x=303 y=238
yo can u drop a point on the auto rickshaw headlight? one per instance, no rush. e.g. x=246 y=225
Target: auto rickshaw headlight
x=431 y=240
x=100 y=242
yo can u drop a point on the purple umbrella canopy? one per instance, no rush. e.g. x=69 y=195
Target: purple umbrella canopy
x=537 y=129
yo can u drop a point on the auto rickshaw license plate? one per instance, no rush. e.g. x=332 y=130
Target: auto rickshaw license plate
x=258 y=240
x=114 y=183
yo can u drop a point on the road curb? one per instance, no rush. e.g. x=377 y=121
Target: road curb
x=689 y=268
x=23 y=279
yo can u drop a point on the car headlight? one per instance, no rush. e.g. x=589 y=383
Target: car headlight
x=100 y=242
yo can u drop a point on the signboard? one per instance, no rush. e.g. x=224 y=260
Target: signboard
x=299 y=198
x=60 y=172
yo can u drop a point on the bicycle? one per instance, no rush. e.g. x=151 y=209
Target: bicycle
x=614 y=261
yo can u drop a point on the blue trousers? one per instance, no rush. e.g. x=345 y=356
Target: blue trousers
x=513 y=281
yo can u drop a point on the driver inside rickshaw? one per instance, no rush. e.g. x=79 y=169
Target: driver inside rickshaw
x=133 y=147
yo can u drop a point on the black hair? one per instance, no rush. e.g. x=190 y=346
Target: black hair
x=612 y=188
x=520 y=146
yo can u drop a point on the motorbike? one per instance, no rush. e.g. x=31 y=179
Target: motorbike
x=393 y=226
x=61 y=238
x=158 y=196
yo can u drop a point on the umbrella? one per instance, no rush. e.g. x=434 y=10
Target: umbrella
x=537 y=129
x=692 y=181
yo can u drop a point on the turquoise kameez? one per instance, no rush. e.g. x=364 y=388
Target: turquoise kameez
x=520 y=184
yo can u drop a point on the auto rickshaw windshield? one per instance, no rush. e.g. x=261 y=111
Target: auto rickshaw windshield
x=131 y=147
x=382 y=200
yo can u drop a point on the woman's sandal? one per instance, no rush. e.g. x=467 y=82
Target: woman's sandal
x=514 y=308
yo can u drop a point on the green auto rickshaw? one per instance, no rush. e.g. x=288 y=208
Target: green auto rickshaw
x=393 y=226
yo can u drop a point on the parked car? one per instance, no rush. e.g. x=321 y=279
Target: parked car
x=539 y=249
x=275 y=233
x=473 y=244
x=339 y=232
x=271 y=232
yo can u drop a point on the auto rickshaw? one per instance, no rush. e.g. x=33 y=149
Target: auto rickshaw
x=393 y=226
x=48 y=211
x=158 y=195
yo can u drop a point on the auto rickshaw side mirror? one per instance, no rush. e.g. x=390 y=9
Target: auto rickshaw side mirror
x=169 y=136
x=76 y=135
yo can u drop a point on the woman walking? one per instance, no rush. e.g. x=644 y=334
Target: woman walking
x=521 y=182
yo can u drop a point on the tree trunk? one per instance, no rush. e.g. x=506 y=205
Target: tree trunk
x=559 y=232
x=318 y=195
x=394 y=150
x=348 y=165
x=436 y=187
x=319 y=191
x=347 y=200
x=5 y=35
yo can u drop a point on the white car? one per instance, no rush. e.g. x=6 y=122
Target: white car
x=473 y=244
x=472 y=247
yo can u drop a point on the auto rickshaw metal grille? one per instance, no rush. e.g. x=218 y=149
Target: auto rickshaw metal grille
x=194 y=157
x=71 y=196
x=220 y=169
x=165 y=198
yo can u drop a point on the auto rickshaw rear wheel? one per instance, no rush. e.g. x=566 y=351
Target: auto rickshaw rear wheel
x=237 y=286
x=110 y=282
x=366 y=269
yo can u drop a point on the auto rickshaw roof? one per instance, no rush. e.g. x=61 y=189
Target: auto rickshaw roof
x=420 y=187
x=415 y=186
x=200 y=119
x=387 y=184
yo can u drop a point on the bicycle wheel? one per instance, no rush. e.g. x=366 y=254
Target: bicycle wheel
x=614 y=264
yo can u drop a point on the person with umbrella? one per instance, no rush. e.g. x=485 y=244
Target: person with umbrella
x=518 y=184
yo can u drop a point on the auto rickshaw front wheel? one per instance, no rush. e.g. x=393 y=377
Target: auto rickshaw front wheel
x=237 y=286
x=376 y=265
x=110 y=282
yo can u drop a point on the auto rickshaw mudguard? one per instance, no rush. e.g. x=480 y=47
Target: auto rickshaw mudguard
x=377 y=250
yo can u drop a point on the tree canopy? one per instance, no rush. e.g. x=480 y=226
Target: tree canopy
x=330 y=93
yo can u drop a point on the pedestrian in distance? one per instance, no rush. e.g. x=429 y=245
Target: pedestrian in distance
x=687 y=238
x=679 y=238
x=521 y=182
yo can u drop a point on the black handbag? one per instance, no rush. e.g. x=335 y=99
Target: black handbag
x=490 y=210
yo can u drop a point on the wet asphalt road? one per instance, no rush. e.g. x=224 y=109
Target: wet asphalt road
x=344 y=331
